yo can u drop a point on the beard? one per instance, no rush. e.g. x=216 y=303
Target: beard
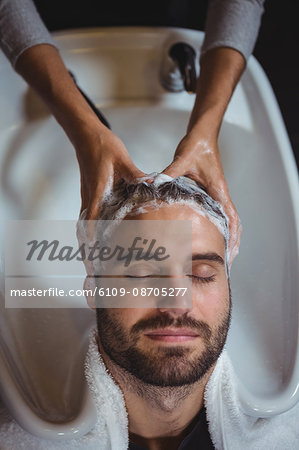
x=163 y=366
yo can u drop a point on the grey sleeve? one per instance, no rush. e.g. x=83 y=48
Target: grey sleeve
x=233 y=23
x=21 y=27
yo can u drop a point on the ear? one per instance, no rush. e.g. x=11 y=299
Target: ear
x=85 y=231
x=89 y=287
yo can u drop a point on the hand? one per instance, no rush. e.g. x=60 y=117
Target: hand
x=102 y=157
x=197 y=155
x=199 y=159
x=103 y=160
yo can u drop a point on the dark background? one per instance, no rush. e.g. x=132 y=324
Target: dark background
x=276 y=47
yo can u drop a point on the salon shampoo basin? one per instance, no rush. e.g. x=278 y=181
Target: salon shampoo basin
x=42 y=350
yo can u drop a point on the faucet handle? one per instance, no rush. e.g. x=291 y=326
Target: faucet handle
x=184 y=55
x=179 y=71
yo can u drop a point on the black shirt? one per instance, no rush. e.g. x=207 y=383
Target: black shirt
x=198 y=438
x=59 y=15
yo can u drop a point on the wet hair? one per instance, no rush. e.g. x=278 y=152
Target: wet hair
x=127 y=199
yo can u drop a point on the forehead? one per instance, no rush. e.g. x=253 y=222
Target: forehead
x=205 y=234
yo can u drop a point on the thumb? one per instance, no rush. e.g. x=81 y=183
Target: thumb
x=131 y=173
x=174 y=169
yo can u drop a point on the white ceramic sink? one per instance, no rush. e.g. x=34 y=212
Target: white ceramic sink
x=41 y=373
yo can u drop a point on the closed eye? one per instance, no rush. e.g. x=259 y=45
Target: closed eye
x=140 y=276
x=194 y=278
x=197 y=279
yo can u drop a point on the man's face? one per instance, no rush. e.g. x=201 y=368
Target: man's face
x=175 y=346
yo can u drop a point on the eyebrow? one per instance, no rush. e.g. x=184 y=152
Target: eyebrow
x=208 y=257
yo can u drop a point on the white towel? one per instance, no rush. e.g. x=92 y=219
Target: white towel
x=110 y=403
x=231 y=429
x=229 y=426
x=110 y=431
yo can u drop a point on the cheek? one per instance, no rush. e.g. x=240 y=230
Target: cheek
x=210 y=301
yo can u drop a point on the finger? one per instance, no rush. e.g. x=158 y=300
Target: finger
x=235 y=230
x=84 y=231
x=103 y=187
x=221 y=194
x=235 y=246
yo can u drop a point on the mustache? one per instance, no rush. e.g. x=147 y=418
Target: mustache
x=164 y=321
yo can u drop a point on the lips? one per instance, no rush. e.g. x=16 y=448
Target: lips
x=172 y=335
x=171 y=332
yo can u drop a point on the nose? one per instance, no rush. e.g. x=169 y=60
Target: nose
x=174 y=312
x=179 y=298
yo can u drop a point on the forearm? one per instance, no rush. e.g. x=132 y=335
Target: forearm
x=31 y=50
x=230 y=35
x=220 y=71
x=44 y=70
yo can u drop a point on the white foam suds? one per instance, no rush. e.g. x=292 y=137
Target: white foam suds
x=159 y=178
x=121 y=208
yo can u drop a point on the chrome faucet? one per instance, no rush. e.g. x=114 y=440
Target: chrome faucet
x=178 y=70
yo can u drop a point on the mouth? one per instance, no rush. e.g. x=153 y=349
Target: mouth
x=172 y=335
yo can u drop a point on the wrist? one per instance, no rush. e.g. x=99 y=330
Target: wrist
x=205 y=127
x=87 y=136
x=78 y=121
x=220 y=71
x=73 y=113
